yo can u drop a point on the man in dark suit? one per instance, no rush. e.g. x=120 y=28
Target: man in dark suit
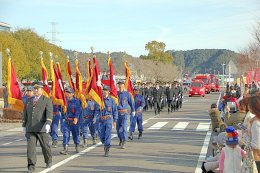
x=37 y=118
x=157 y=96
x=170 y=97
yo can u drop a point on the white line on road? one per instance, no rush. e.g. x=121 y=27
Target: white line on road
x=203 y=127
x=203 y=152
x=17 y=140
x=157 y=125
x=191 y=119
x=180 y=126
x=73 y=157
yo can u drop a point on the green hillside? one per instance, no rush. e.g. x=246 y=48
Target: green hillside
x=203 y=60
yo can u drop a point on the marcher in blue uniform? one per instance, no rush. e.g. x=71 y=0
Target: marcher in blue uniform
x=138 y=118
x=55 y=124
x=71 y=121
x=88 y=117
x=124 y=102
x=108 y=118
x=29 y=94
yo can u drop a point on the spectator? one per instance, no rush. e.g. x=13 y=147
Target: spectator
x=254 y=129
x=232 y=119
x=211 y=164
x=216 y=121
x=231 y=155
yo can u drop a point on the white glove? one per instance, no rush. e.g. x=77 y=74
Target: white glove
x=133 y=113
x=47 y=128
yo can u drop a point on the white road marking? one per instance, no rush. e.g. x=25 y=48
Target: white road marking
x=185 y=101
x=203 y=127
x=203 y=152
x=157 y=125
x=17 y=140
x=73 y=157
x=19 y=129
x=180 y=126
x=188 y=119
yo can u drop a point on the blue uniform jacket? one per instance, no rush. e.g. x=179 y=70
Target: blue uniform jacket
x=73 y=108
x=125 y=100
x=110 y=108
x=91 y=109
x=56 y=109
x=139 y=102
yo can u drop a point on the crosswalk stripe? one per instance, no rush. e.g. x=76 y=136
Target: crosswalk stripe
x=203 y=127
x=180 y=126
x=157 y=125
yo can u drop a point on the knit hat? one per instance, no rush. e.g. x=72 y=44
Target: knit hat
x=232 y=136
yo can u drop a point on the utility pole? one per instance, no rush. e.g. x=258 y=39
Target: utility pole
x=53 y=33
x=223 y=78
x=229 y=72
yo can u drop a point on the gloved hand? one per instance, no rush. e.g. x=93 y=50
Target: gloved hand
x=94 y=120
x=47 y=128
x=133 y=114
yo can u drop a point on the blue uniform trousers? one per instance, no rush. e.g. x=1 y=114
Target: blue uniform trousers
x=106 y=131
x=136 y=119
x=74 y=129
x=88 y=124
x=54 y=127
x=97 y=125
x=121 y=126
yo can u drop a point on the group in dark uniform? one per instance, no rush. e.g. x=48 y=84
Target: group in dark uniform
x=162 y=95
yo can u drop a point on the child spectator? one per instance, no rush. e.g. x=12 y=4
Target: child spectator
x=231 y=155
x=211 y=164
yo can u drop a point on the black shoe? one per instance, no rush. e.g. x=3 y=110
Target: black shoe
x=77 y=148
x=140 y=135
x=94 y=141
x=203 y=168
x=65 y=150
x=85 y=143
x=123 y=145
x=48 y=165
x=54 y=144
x=106 y=151
x=131 y=137
x=31 y=168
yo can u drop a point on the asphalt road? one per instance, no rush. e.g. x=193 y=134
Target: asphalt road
x=174 y=142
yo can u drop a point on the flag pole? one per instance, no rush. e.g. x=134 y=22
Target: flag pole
x=8 y=53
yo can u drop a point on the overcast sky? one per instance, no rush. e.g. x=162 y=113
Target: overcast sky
x=127 y=25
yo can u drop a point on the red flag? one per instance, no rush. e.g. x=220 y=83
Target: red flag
x=14 y=93
x=46 y=90
x=69 y=73
x=112 y=83
x=128 y=83
x=89 y=74
x=97 y=77
x=58 y=95
x=79 y=92
x=96 y=91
